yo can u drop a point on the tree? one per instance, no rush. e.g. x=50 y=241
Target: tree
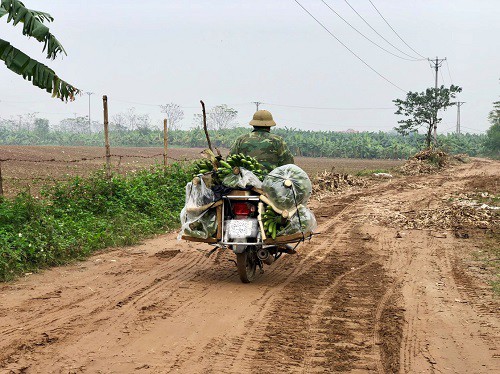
x=492 y=142
x=77 y=125
x=174 y=115
x=42 y=126
x=198 y=121
x=131 y=121
x=34 y=26
x=422 y=109
x=494 y=115
x=221 y=117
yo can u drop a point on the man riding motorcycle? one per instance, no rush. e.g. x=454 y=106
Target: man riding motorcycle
x=269 y=149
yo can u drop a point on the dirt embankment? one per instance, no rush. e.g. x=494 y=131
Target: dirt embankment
x=367 y=295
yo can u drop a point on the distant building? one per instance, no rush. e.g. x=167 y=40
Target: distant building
x=350 y=131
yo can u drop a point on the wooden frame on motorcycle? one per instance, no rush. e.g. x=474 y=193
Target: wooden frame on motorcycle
x=288 y=239
x=285 y=239
x=200 y=209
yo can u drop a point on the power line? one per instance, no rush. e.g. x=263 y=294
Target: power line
x=350 y=50
x=376 y=32
x=442 y=77
x=367 y=38
x=182 y=107
x=473 y=129
x=393 y=29
x=257 y=103
x=326 y=108
x=449 y=73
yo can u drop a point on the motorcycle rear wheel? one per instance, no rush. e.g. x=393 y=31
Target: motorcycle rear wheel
x=247 y=265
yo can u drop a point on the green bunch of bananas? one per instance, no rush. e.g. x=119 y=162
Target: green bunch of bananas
x=273 y=222
x=202 y=166
x=239 y=160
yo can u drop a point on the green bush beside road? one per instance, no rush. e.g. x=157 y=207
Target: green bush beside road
x=73 y=219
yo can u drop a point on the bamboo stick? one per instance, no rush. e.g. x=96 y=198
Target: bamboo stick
x=259 y=219
x=165 y=143
x=106 y=137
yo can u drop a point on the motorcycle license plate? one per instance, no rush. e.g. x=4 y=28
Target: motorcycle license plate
x=239 y=228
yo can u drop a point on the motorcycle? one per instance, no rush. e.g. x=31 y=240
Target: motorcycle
x=240 y=228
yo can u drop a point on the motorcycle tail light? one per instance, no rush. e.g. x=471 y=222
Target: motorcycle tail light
x=242 y=209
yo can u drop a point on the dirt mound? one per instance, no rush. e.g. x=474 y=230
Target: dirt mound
x=430 y=161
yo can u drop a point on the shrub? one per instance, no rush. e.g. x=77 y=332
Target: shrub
x=73 y=219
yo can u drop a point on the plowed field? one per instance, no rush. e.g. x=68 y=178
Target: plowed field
x=43 y=165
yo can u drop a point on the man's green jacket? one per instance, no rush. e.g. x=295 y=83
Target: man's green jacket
x=269 y=149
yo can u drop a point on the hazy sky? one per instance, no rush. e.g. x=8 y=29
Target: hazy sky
x=236 y=52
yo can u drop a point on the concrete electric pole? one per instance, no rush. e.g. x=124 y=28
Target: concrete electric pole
x=89 y=93
x=436 y=64
x=459 y=104
x=257 y=103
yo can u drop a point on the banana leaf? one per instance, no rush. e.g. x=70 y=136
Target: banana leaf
x=40 y=75
x=33 y=25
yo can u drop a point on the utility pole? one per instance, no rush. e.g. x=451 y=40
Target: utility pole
x=459 y=104
x=89 y=93
x=436 y=64
x=257 y=103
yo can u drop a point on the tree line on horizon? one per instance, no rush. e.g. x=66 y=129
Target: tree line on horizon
x=305 y=143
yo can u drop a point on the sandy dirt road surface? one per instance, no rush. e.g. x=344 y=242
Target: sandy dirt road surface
x=364 y=296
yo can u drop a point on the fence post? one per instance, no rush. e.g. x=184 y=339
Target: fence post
x=1 y=184
x=106 y=136
x=165 y=143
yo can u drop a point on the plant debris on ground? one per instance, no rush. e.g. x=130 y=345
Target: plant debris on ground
x=330 y=182
x=430 y=161
x=457 y=213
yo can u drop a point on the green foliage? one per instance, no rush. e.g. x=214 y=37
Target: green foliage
x=492 y=141
x=73 y=219
x=33 y=26
x=421 y=109
x=494 y=115
x=366 y=145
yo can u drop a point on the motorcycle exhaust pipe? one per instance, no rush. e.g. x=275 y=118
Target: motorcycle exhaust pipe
x=265 y=256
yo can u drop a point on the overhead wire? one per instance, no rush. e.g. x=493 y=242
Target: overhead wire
x=364 y=36
x=442 y=77
x=449 y=73
x=326 y=108
x=376 y=32
x=393 y=29
x=350 y=50
x=159 y=105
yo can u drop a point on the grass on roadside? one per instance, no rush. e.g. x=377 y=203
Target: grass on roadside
x=490 y=258
x=73 y=219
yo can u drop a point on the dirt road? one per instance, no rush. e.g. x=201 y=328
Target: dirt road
x=364 y=296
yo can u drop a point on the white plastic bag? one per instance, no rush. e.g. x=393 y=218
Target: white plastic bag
x=203 y=226
x=242 y=180
x=195 y=222
x=198 y=194
x=284 y=195
x=302 y=221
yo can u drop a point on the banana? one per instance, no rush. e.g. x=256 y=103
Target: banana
x=225 y=164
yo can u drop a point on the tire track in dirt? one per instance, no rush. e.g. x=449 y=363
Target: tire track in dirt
x=313 y=327
x=62 y=326
x=299 y=293
x=336 y=306
x=275 y=282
